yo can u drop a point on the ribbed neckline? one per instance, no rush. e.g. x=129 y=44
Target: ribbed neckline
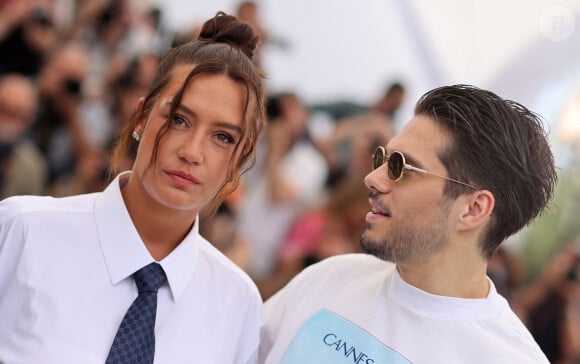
x=425 y=303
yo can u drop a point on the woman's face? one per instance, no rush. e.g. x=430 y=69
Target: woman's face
x=196 y=150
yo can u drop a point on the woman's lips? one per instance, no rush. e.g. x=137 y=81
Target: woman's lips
x=183 y=179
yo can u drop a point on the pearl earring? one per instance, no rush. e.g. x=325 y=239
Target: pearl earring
x=136 y=135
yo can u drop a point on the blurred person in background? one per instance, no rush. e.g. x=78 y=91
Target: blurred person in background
x=127 y=84
x=289 y=175
x=23 y=170
x=347 y=148
x=116 y=31
x=60 y=130
x=387 y=104
x=550 y=306
x=120 y=35
x=507 y=270
x=27 y=35
x=249 y=12
x=222 y=229
x=356 y=132
x=329 y=228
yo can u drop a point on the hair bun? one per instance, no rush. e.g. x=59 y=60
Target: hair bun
x=224 y=28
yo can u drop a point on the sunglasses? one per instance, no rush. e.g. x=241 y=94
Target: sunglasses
x=396 y=166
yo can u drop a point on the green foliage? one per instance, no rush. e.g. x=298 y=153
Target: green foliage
x=557 y=226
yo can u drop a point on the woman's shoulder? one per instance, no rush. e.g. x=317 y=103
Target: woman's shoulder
x=23 y=206
x=224 y=267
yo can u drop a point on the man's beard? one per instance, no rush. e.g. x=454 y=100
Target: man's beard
x=412 y=239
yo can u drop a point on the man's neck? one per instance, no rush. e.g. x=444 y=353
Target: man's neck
x=448 y=274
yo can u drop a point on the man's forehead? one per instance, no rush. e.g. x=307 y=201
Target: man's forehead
x=18 y=96
x=420 y=137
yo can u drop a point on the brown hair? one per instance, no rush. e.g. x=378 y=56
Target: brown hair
x=498 y=145
x=225 y=46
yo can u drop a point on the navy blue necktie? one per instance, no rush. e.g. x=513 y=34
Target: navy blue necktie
x=135 y=340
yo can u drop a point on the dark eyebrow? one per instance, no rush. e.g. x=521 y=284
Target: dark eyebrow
x=409 y=159
x=222 y=124
x=412 y=161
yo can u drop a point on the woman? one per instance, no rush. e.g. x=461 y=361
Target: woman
x=72 y=270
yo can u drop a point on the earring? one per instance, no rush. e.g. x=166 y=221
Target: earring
x=136 y=135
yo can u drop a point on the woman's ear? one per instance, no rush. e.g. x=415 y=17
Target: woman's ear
x=140 y=103
x=476 y=209
x=139 y=109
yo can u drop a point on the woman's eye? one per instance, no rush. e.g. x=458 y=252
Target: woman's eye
x=178 y=120
x=225 y=138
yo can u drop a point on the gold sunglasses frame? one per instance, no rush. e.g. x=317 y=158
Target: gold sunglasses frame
x=385 y=158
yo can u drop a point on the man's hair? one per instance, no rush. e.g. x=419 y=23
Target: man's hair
x=497 y=145
x=395 y=86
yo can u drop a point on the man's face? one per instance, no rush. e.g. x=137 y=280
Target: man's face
x=68 y=65
x=409 y=219
x=17 y=107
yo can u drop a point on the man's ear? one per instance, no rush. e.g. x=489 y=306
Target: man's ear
x=475 y=209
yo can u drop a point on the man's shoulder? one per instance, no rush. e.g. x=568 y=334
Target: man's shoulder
x=357 y=261
x=345 y=267
x=330 y=281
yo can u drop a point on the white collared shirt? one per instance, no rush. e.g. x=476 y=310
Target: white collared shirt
x=66 y=268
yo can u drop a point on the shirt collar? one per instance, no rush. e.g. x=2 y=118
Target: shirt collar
x=124 y=251
x=436 y=305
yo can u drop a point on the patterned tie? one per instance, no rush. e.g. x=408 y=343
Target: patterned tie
x=135 y=340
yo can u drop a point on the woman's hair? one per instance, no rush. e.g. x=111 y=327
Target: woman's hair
x=225 y=46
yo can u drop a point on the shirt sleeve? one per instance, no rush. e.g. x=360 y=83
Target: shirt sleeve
x=272 y=314
x=250 y=333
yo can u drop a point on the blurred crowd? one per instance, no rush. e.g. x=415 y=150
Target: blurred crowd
x=71 y=72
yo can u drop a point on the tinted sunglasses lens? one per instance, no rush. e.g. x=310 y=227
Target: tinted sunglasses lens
x=396 y=165
x=378 y=157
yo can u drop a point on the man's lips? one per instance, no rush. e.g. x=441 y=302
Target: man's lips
x=378 y=208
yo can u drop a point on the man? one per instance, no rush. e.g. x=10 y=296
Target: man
x=344 y=110
x=469 y=170
x=356 y=130
x=23 y=170
x=290 y=172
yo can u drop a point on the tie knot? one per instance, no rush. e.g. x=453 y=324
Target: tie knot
x=149 y=278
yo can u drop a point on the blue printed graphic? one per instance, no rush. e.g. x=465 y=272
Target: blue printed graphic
x=329 y=338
